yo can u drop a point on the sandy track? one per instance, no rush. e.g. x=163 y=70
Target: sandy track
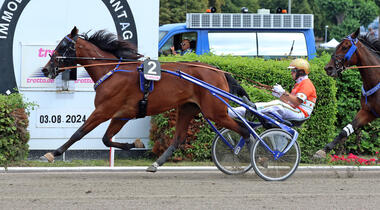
x=188 y=190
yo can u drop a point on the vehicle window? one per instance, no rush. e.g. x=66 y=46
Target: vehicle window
x=176 y=40
x=280 y=44
x=192 y=37
x=161 y=35
x=233 y=43
x=165 y=50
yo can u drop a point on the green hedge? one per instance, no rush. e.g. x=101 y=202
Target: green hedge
x=314 y=134
x=13 y=128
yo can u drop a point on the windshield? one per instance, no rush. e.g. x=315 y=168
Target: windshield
x=161 y=35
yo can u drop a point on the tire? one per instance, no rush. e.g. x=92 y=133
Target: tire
x=263 y=161
x=224 y=157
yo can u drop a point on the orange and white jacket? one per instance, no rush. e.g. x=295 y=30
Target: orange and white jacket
x=305 y=90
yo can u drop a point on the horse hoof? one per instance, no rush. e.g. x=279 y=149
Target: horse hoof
x=320 y=154
x=138 y=144
x=48 y=157
x=151 y=169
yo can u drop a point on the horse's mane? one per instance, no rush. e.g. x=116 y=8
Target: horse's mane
x=109 y=42
x=371 y=42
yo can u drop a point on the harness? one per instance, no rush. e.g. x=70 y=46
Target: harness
x=365 y=93
x=110 y=73
x=352 y=49
x=146 y=86
x=368 y=93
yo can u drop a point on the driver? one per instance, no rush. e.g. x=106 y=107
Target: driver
x=296 y=105
x=185 y=48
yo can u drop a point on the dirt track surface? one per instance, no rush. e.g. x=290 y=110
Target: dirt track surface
x=188 y=190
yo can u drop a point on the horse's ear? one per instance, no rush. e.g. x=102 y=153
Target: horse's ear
x=356 y=33
x=74 y=32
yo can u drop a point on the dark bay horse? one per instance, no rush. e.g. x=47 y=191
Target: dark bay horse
x=363 y=52
x=118 y=96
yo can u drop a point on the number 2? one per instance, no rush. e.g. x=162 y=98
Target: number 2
x=153 y=66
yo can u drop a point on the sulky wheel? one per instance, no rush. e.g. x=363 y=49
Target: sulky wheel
x=263 y=161
x=225 y=158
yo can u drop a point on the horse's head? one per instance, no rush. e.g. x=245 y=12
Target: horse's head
x=63 y=55
x=344 y=55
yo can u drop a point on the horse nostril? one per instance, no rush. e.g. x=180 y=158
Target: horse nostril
x=45 y=72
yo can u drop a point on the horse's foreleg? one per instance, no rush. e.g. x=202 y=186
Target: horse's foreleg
x=185 y=113
x=92 y=122
x=113 y=129
x=362 y=118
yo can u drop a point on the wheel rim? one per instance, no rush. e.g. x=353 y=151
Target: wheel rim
x=224 y=157
x=264 y=163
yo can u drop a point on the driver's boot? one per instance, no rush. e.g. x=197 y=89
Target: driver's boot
x=248 y=114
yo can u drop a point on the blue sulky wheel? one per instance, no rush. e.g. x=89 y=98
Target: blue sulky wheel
x=263 y=161
x=224 y=157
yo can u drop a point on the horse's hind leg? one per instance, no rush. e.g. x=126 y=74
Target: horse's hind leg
x=113 y=129
x=362 y=118
x=92 y=122
x=185 y=113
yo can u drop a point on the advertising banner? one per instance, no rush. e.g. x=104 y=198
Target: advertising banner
x=34 y=57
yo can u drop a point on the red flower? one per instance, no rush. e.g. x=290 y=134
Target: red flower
x=352 y=156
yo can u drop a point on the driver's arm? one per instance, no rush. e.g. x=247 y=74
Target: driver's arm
x=290 y=99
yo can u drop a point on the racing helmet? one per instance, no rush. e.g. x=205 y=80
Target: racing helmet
x=300 y=64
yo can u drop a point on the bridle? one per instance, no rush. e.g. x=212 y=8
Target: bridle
x=340 y=59
x=67 y=58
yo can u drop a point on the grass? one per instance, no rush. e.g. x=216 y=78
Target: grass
x=118 y=162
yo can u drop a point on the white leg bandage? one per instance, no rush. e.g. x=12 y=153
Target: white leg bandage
x=348 y=129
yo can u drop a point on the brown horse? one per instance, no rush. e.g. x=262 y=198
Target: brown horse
x=363 y=52
x=117 y=97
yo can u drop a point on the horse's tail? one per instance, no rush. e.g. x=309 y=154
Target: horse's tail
x=234 y=86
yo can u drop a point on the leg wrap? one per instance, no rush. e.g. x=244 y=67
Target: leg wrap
x=348 y=130
x=168 y=153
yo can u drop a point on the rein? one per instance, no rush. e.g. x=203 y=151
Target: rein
x=120 y=61
x=362 y=67
x=130 y=61
x=98 y=64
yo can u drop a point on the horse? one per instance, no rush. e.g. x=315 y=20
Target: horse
x=363 y=52
x=118 y=94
